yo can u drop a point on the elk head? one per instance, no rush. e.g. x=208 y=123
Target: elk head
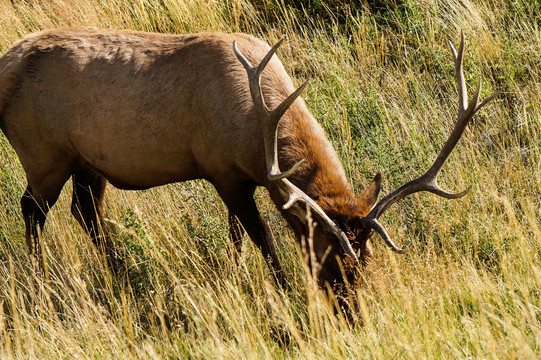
x=340 y=240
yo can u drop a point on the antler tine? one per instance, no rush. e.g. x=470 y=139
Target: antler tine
x=427 y=182
x=370 y=223
x=488 y=99
x=461 y=82
x=254 y=75
x=282 y=108
x=270 y=120
x=276 y=115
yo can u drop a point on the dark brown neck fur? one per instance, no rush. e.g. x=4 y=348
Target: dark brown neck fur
x=322 y=176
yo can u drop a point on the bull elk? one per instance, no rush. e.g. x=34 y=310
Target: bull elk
x=143 y=109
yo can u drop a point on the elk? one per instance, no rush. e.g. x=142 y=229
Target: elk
x=141 y=109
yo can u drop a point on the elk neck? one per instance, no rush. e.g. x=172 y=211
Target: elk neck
x=321 y=176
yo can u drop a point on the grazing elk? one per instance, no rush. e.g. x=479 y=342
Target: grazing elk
x=142 y=109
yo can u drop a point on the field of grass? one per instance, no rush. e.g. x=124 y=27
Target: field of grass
x=382 y=85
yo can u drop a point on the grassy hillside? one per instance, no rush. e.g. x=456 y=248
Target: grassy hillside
x=383 y=88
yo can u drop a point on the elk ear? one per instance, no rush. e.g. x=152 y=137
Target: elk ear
x=369 y=196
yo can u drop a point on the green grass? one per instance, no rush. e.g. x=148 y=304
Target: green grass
x=382 y=85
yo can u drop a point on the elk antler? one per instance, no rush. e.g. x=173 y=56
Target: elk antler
x=427 y=182
x=270 y=120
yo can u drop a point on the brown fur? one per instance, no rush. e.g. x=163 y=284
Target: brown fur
x=143 y=109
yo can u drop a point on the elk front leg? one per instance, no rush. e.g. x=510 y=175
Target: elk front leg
x=240 y=201
x=86 y=207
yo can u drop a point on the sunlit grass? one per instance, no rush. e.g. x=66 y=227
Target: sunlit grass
x=383 y=87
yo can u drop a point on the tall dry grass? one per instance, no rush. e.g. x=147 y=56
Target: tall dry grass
x=383 y=88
